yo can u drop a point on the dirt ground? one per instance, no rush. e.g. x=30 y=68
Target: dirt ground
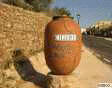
x=92 y=71
x=88 y=74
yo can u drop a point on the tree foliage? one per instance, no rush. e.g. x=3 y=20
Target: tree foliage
x=35 y=5
x=39 y=6
x=62 y=11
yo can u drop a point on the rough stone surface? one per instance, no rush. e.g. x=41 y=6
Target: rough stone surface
x=24 y=30
x=25 y=72
x=27 y=85
x=21 y=29
x=62 y=81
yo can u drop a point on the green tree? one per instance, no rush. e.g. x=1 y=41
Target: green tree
x=35 y=5
x=62 y=11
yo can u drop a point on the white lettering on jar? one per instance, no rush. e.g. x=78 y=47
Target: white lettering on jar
x=65 y=37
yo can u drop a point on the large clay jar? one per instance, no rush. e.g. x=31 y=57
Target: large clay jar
x=62 y=45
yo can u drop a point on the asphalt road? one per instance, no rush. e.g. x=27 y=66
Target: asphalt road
x=101 y=46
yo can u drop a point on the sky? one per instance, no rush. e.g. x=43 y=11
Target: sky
x=90 y=10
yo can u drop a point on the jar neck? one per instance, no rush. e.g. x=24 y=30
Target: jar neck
x=61 y=17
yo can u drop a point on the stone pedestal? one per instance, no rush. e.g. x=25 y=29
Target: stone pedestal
x=62 y=81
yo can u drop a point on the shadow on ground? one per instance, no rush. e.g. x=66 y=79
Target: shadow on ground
x=101 y=47
x=26 y=70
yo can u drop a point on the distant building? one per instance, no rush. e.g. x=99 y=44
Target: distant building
x=103 y=24
x=102 y=28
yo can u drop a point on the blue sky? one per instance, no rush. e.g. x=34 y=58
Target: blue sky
x=90 y=10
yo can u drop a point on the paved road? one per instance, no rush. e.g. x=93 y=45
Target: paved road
x=101 y=46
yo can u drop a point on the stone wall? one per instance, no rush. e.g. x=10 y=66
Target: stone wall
x=21 y=29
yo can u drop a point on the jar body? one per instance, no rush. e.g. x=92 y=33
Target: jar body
x=62 y=45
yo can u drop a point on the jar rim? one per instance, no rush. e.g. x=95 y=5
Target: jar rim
x=57 y=17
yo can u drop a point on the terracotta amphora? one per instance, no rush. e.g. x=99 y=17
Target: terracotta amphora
x=62 y=45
